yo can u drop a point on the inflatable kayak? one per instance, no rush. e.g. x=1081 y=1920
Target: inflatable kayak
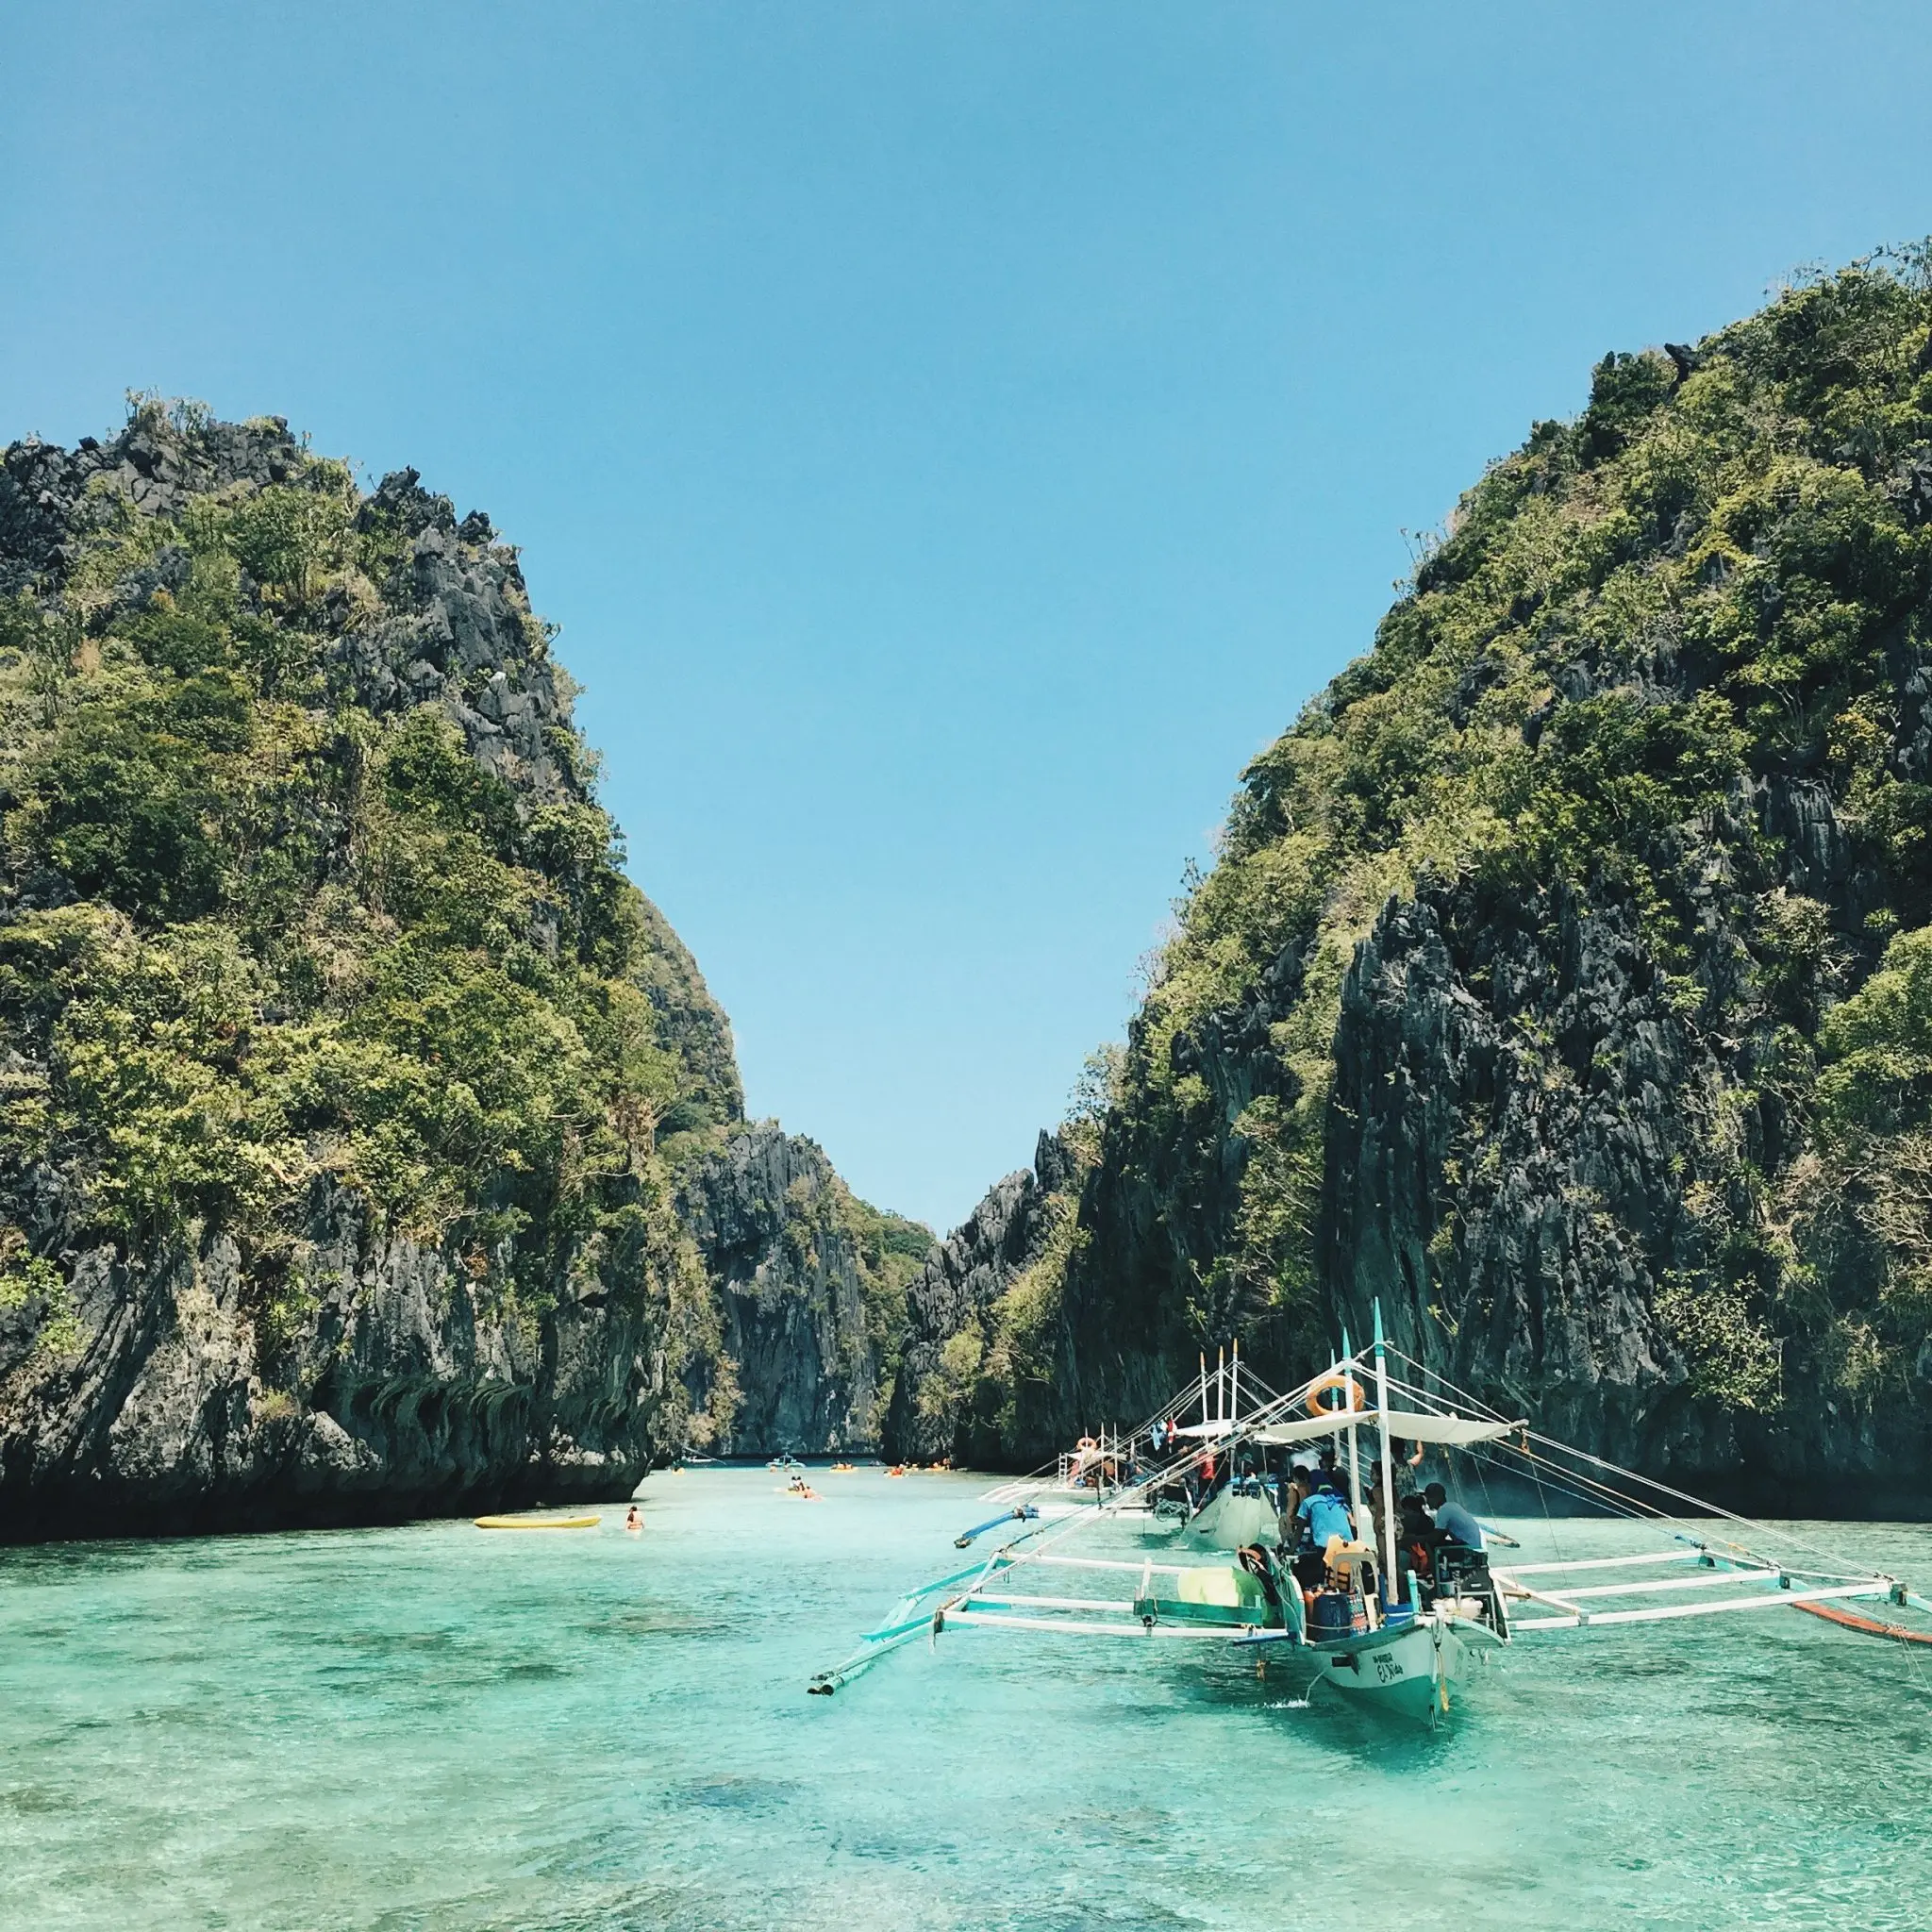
x=538 y=1522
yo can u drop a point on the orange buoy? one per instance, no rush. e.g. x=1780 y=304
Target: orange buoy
x=1358 y=1397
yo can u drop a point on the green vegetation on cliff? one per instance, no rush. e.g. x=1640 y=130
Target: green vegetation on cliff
x=265 y=933
x=1669 y=663
x=319 y=971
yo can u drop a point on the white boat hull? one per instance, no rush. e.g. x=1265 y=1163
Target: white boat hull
x=1228 y=1520
x=1409 y=1672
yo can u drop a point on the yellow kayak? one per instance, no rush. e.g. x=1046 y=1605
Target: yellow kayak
x=538 y=1522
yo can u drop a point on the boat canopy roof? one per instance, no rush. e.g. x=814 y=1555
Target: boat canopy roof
x=1413 y=1424
x=1206 y=1432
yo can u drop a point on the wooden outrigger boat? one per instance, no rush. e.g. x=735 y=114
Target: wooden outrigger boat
x=1371 y=1627
x=1109 y=1470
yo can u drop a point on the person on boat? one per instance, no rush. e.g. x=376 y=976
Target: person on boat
x=634 y=1522
x=1416 y=1541
x=1307 y=1557
x=1294 y=1493
x=1325 y=1515
x=1376 y=1504
x=1297 y=1490
x=1451 y=1519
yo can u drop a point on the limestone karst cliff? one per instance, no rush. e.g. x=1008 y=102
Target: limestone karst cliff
x=1564 y=979
x=811 y=1288
x=369 y=1144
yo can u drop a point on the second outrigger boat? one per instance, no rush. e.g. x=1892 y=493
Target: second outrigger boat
x=1169 y=1472
x=1368 y=1622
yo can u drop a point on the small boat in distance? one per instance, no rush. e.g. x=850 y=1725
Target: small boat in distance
x=1184 y=1477
x=539 y=1521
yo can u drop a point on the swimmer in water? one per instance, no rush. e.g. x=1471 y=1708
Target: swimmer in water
x=634 y=1522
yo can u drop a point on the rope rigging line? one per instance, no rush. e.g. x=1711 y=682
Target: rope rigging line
x=1587 y=1488
x=1700 y=1503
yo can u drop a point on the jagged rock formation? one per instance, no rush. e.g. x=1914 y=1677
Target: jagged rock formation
x=1564 y=979
x=957 y=1295
x=414 y=1401
x=369 y=1146
x=809 y=1295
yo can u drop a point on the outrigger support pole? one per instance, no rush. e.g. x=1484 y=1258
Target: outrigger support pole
x=1347 y=1408
x=1023 y=1512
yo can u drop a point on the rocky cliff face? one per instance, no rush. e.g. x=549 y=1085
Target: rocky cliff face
x=400 y=1397
x=938 y=1407
x=1560 y=982
x=779 y=1236
x=369 y=1146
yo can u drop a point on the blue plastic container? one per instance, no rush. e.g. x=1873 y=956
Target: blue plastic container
x=1331 y=1617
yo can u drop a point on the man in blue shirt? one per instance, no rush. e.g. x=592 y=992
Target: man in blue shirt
x=1325 y=1515
x=1451 y=1519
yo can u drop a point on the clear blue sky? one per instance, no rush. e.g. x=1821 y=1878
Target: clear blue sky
x=953 y=437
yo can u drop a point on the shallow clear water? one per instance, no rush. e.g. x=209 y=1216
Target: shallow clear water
x=433 y=1726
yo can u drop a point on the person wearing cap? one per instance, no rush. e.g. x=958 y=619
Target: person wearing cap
x=1324 y=1514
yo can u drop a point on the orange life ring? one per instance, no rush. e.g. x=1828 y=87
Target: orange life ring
x=1358 y=1397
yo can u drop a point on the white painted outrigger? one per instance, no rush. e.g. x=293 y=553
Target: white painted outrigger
x=1407 y=1640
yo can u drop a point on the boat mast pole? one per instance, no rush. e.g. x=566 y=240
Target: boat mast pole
x=1220 y=1383
x=1388 y=1464
x=1354 y=1474
x=1335 y=1434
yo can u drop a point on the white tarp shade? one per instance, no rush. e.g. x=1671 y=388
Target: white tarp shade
x=1204 y=1432
x=1411 y=1424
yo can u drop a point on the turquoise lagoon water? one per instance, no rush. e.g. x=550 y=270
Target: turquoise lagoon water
x=435 y=1728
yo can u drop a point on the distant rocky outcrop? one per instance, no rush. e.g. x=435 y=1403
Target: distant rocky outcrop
x=802 y=1296
x=959 y=1291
